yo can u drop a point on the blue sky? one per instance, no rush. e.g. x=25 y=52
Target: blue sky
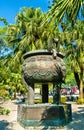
x=9 y=8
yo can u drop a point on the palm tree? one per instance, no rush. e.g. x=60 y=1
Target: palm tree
x=26 y=33
x=29 y=20
x=66 y=9
x=74 y=49
x=29 y=33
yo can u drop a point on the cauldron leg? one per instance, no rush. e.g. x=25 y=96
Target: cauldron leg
x=30 y=94
x=56 y=94
x=44 y=93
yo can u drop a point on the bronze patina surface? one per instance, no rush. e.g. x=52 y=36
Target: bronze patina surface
x=41 y=66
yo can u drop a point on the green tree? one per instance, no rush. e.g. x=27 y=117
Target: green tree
x=3 y=30
x=74 y=49
x=67 y=13
x=25 y=35
x=29 y=33
x=10 y=77
x=66 y=9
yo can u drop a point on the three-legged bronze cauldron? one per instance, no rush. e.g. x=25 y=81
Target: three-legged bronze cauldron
x=41 y=66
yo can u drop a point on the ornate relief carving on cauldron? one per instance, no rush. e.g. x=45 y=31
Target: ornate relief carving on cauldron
x=40 y=66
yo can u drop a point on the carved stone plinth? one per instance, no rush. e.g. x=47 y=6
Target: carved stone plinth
x=46 y=115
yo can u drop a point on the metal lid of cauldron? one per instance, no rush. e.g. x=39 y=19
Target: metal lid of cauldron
x=41 y=52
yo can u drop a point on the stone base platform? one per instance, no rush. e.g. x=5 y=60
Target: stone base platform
x=44 y=115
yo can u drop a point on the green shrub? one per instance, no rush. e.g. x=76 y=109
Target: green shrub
x=38 y=101
x=50 y=99
x=4 y=93
x=1 y=108
x=4 y=111
x=80 y=101
x=63 y=99
x=7 y=112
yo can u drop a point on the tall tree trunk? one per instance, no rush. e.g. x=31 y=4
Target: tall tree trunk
x=81 y=84
x=14 y=95
x=77 y=79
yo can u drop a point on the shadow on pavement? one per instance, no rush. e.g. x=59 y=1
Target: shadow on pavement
x=77 y=120
x=3 y=125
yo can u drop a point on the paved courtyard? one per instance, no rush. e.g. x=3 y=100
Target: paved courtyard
x=9 y=122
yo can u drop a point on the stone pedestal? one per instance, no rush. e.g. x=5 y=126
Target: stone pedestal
x=46 y=115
